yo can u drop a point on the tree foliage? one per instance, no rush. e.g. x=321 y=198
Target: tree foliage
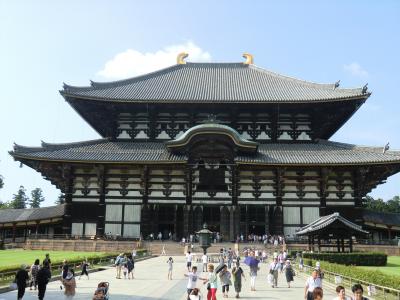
x=379 y=205
x=19 y=199
x=60 y=199
x=1 y=182
x=36 y=198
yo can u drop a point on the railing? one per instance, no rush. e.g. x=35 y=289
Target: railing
x=376 y=291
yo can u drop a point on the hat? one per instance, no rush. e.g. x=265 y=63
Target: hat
x=23 y=267
x=317 y=264
x=69 y=276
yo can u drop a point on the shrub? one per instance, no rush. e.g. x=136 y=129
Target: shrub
x=372 y=276
x=355 y=258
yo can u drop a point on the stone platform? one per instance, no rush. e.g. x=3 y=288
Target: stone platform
x=151 y=283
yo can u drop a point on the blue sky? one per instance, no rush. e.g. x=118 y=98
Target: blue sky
x=46 y=43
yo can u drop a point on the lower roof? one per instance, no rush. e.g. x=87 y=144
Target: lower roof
x=107 y=151
x=12 y=215
x=390 y=219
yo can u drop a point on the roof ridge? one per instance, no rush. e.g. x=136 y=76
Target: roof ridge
x=73 y=144
x=361 y=148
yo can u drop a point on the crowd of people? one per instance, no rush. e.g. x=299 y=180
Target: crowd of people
x=39 y=276
x=227 y=273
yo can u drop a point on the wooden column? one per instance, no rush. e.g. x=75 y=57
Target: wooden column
x=67 y=175
x=324 y=173
x=351 y=244
x=14 y=231
x=187 y=218
x=278 y=212
x=144 y=182
x=188 y=184
x=101 y=208
x=338 y=244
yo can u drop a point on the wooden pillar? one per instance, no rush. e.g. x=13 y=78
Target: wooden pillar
x=278 y=213
x=323 y=189
x=319 y=244
x=187 y=218
x=14 y=231
x=144 y=177
x=67 y=219
x=101 y=208
x=351 y=244
x=342 y=244
x=309 y=243
x=232 y=227
x=389 y=232
x=189 y=184
x=37 y=228
x=338 y=245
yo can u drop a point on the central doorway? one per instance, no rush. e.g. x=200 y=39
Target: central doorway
x=212 y=216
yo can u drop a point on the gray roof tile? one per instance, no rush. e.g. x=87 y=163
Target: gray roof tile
x=213 y=82
x=31 y=214
x=104 y=150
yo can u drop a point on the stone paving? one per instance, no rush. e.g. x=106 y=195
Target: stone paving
x=151 y=283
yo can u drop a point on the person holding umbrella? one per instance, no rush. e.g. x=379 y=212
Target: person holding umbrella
x=252 y=262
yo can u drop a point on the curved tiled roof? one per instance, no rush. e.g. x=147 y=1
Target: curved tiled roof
x=213 y=82
x=325 y=221
x=31 y=214
x=103 y=150
x=213 y=128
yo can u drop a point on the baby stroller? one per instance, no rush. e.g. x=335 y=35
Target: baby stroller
x=101 y=292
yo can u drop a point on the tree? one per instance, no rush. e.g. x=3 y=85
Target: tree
x=60 y=199
x=36 y=197
x=1 y=182
x=379 y=205
x=394 y=204
x=19 y=199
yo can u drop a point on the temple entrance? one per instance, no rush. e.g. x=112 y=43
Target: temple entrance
x=165 y=229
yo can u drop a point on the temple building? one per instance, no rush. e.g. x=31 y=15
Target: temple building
x=242 y=148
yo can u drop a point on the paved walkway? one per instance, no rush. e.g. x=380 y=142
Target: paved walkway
x=151 y=283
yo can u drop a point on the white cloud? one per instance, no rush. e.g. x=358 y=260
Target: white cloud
x=356 y=70
x=132 y=62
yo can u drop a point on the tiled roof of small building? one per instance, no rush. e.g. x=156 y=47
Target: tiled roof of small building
x=104 y=150
x=325 y=221
x=391 y=219
x=213 y=82
x=31 y=214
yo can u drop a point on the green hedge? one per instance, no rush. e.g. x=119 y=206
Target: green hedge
x=77 y=260
x=372 y=276
x=355 y=258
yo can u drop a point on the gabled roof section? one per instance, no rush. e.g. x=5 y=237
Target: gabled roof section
x=376 y=217
x=31 y=214
x=212 y=82
x=326 y=221
x=212 y=129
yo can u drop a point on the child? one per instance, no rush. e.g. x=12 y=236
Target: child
x=225 y=278
x=192 y=281
x=170 y=263
x=125 y=269
x=237 y=278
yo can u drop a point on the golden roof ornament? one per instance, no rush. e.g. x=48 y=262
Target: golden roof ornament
x=180 y=59
x=249 y=58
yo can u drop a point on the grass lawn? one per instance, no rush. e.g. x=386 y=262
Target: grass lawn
x=392 y=267
x=19 y=256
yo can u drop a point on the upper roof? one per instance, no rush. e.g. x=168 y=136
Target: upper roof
x=31 y=214
x=106 y=151
x=325 y=221
x=213 y=82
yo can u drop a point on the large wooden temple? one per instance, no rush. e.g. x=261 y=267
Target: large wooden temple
x=242 y=148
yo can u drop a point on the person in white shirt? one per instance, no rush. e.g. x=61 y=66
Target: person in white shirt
x=312 y=282
x=189 y=257
x=273 y=270
x=192 y=281
x=204 y=260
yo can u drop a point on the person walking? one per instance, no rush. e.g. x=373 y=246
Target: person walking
x=312 y=282
x=358 y=291
x=33 y=271
x=273 y=271
x=69 y=285
x=341 y=293
x=131 y=266
x=289 y=272
x=204 y=260
x=43 y=277
x=318 y=294
x=225 y=279
x=189 y=257
x=237 y=278
x=211 y=282
x=21 y=278
x=170 y=263
x=118 y=264
x=84 y=268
